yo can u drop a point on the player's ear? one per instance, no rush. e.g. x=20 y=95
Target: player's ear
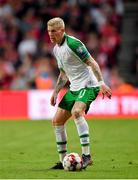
x=62 y=30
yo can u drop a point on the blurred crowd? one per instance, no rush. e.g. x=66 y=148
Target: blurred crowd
x=26 y=59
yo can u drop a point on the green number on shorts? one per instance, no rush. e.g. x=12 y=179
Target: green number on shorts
x=82 y=92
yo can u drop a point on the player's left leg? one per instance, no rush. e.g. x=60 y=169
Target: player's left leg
x=82 y=126
x=83 y=131
x=83 y=101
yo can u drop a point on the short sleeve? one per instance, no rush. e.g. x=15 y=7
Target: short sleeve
x=78 y=48
x=58 y=60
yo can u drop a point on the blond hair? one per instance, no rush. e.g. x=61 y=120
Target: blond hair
x=57 y=22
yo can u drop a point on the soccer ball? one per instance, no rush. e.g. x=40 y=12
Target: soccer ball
x=72 y=162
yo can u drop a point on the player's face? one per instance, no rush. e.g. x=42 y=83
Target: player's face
x=55 y=34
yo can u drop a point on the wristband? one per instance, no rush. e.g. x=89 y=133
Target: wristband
x=101 y=83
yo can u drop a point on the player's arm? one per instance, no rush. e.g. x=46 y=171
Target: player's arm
x=62 y=80
x=81 y=51
x=97 y=72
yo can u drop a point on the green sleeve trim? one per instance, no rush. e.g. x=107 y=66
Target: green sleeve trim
x=84 y=60
x=62 y=69
x=78 y=48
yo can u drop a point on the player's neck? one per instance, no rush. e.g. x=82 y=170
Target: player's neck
x=62 y=40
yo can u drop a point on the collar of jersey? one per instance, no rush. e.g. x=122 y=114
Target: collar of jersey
x=63 y=40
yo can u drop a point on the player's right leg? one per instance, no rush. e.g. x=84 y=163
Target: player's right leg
x=58 y=121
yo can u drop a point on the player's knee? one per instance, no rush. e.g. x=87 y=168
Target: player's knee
x=56 y=122
x=76 y=113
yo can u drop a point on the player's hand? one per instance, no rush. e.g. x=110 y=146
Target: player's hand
x=106 y=91
x=53 y=99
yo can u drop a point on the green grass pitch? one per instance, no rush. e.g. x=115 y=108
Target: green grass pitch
x=28 y=150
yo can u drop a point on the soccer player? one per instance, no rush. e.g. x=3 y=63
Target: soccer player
x=76 y=65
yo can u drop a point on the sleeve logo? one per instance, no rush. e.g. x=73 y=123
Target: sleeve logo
x=79 y=50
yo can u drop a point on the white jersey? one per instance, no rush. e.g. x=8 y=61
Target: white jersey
x=71 y=56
